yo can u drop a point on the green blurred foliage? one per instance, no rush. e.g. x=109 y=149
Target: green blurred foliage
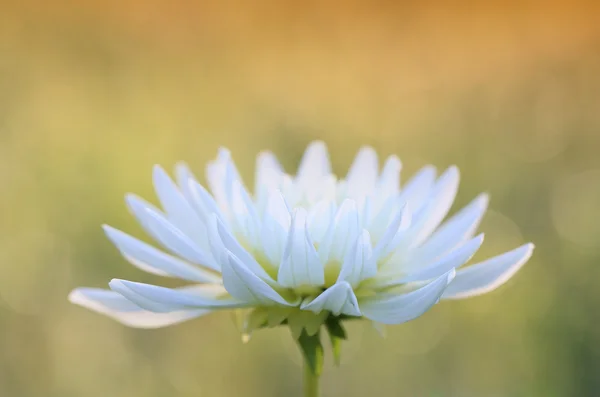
x=91 y=95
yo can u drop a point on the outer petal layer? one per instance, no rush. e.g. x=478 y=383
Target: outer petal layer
x=115 y=306
x=488 y=275
x=397 y=309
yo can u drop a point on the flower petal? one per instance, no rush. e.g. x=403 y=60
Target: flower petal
x=431 y=215
x=320 y=217
x=220 y=173
x=418 y=188
x=488 y=275
x=161 y=299
x=179 y=211
x=454 y=259
x=359 y=264
x=315 y=162
x=362 y=176
x=155 y=223
x=114 y=305
x=300 y=265
x=452 y=233
x=338 y=299
x=397 y=309
x=388 y=183
x=394 y=231
x=153 y=260
x=245 y=220
x=198 y=197
x=246 y=286
x=341 y=234
x=268 y=174
x=274 y=227
x=232 y=245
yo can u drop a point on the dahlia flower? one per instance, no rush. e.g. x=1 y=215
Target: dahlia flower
x=305 y=250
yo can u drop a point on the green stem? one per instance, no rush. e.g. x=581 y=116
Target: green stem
x=311 y=381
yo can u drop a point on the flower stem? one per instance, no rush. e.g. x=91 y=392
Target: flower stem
x=312 y=353
x=311 y=381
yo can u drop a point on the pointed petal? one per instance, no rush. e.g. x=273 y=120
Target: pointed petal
x=320 y=218
x=197 y=196
x=178 y=209
x=246 y=286
x=244 y=220
x=154 y=222
x=268 y=172
x=278 y=210
x=233 y=246
x=389 y=180
x=115 y=306
x=438 y=205
x=454 y=259
x=274 y=227
x=416 y=190
x=343 y=232
x=453 y=232
x=315 y=162
x=220 y=175
x=152 y=260
x=362 y=175
x=338 y=299
x=161 y=299
x=300 y=265
x=397 y=309
x=488 y=275
x=358 y=264
x=395 y=229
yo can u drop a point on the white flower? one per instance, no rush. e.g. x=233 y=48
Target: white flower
x=302 y=247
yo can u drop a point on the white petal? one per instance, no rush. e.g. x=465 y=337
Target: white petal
x=154 y=222
x=416 y=190
x=274 y=228
x=454 y=259
x=359 y=264
x=268 y=172
x=389 y=181
x=232 y=245
x=300 y=265
x=197 y=196
x=220 y=175
x=438 y=205
x=217 y=248
x=342 y=233
x=245 y=218
x=246 y=286
x=320 y=218
x=315 y=162
x=393 y=232
x=114 y=305
x=152 y=260
x=488 y=275
x=162 y=299
x=453 y=232
x=178 y=209
x=362 y=175
x=338 y=299
x=278 y=210
x=397 y=309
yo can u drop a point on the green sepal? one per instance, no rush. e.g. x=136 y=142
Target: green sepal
x=312 y=349
x=337 y=334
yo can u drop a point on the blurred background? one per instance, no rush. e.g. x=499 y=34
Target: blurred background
x=92 y=94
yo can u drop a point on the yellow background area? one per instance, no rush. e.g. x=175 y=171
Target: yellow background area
x=92 y=94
